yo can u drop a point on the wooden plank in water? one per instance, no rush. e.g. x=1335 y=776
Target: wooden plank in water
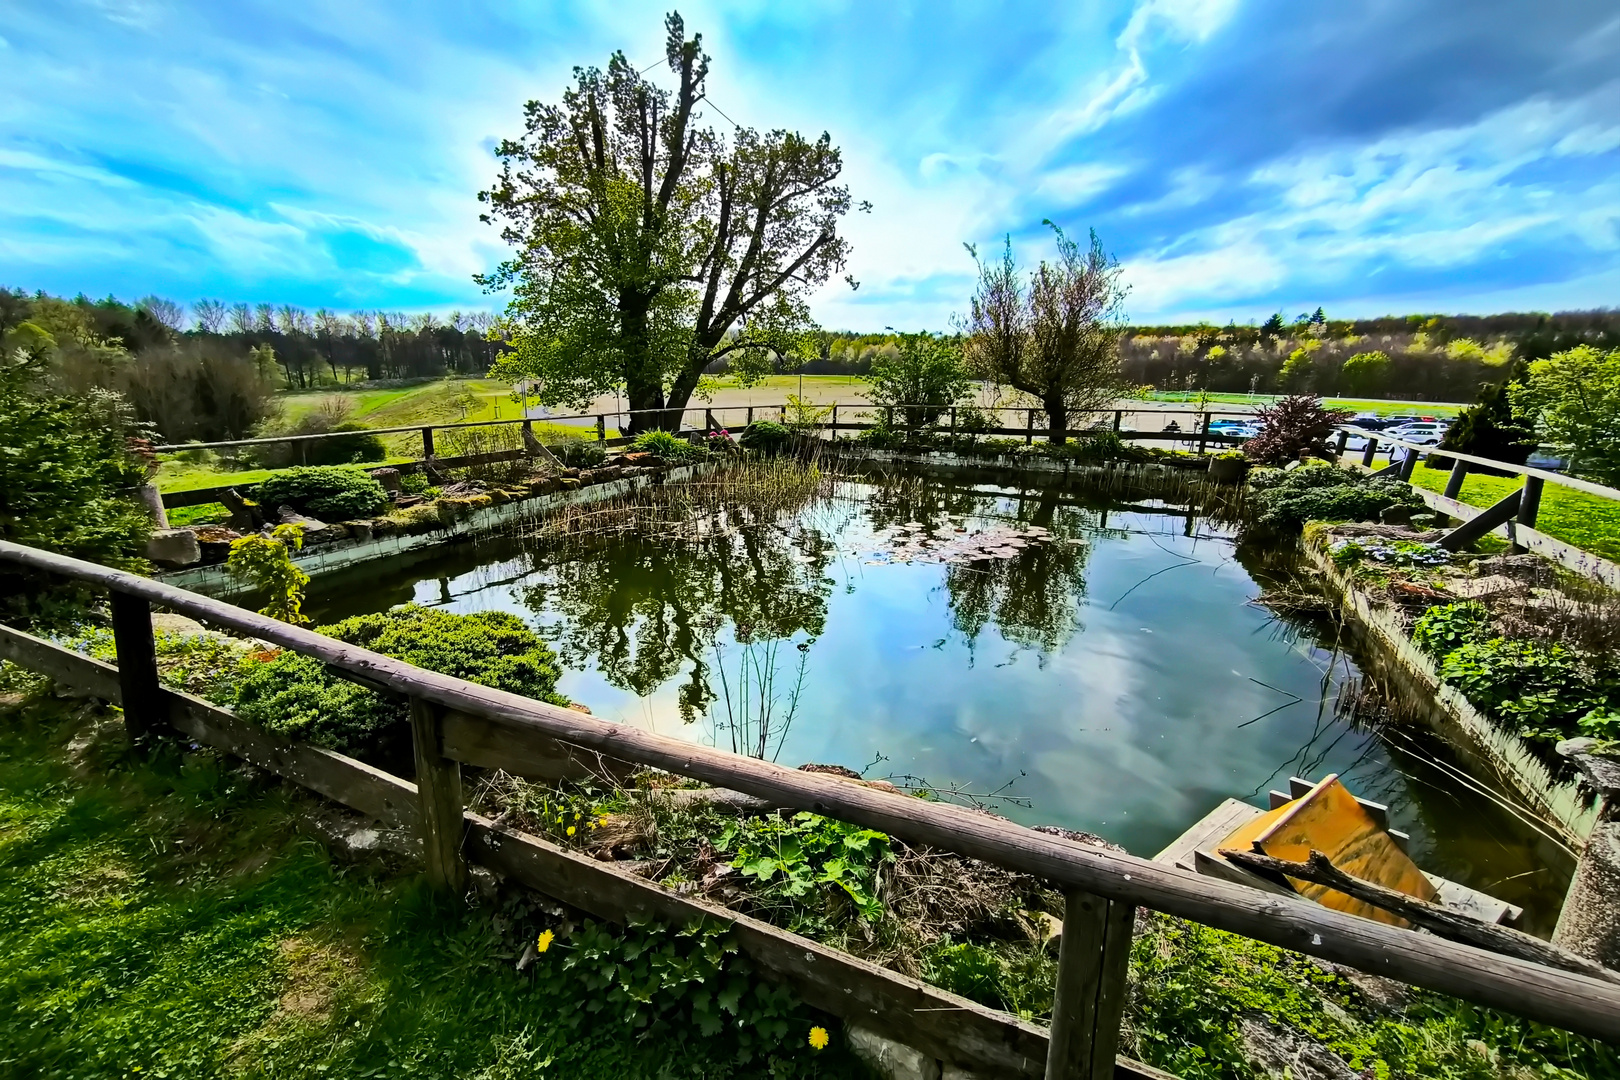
x=1209 y=831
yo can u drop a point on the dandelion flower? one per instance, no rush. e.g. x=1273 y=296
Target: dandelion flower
x=544 y=941
x=818 y=1038
x=571 y=830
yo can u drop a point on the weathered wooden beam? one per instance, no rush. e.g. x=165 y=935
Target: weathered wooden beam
x=1432 y=917
x=438 y=786
x=1573 y=1002
x=1498 y=513
x=1093 y=961
x=144 y=710
x=1454 y=482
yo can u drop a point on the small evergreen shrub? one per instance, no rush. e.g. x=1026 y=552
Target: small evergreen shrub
x=324 y=491
x=345 y=448
x=767 y=437
x=579 y=453
x=1286 y=499
x=293 y=695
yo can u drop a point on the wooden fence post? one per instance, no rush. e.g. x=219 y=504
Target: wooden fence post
x=1029 y=427
x=835 y=420
x=427 y=443
x=1203 y=433
x=1092 y=960
x=1339 y=443
x=1529 y=507
x=1119 y=418
x=438 y=787
x=1367 y=454
x=750 y=416
x=601 y=428
x=1409 y=463
x=137 y=666
x=953 y=421
x=1454 y=482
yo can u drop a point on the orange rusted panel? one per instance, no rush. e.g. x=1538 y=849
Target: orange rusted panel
x=1330 y=820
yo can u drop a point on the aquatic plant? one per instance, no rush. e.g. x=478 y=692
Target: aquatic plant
x=666 y=445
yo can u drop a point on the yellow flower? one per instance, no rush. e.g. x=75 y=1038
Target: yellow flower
x=570 y=830
x=818 y=1038
x=544 y=942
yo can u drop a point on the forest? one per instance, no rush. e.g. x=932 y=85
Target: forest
x=211 y=371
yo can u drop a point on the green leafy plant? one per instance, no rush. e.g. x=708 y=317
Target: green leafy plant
x=266 y=563
x=324 y=491
x=802 y=415
x=294 y=695
x=667 y=445
x=1450 y=626
x=1573 y=399
x=1543 y=691
x=1323 y=492
x=1347 y=553
x=580 y=453
x=67 y=477
x=925 y=376
x=802 y=857
x=766 y=436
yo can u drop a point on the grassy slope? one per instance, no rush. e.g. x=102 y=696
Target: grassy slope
x=1588 y=522
x=164 y=919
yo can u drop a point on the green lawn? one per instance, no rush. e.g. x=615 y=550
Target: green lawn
x=1381 y=406
x=1587 y=521
x=166 y=918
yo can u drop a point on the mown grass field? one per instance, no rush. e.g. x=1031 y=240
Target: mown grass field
x=1381 y=406
x=1587 y=521
x=165 y=918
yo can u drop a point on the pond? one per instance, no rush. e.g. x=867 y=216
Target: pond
x=1062 y=654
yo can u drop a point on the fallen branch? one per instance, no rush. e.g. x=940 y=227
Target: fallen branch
x=1438 y=920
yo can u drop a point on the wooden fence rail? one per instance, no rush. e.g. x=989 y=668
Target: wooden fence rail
x=455 y=723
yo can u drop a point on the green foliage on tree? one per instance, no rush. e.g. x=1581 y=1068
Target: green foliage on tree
x=648 y=245
x=1573 y=399
x=1488 y=428
x=294 y=695
x=926 y=376
x=328 y=492
x=266 y=563
x=1055 y=338
x=68 y=476
x=1365 y=373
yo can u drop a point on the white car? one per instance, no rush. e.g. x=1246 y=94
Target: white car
x=1424 y=433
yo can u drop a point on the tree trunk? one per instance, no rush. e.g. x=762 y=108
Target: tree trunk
x=1057 y=416
x=643 y=386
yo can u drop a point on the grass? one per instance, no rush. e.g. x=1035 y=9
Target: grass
x=1381 y=406
x=1587 y=521
x=164 y=918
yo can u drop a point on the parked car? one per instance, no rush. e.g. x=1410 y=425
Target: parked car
x=1424 y=433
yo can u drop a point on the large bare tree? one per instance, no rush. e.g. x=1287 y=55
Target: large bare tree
x=648 y=245
x=1054 y=336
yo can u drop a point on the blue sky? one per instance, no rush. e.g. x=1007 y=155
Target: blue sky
x=1239 y=156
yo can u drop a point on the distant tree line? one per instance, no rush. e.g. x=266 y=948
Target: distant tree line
x=1417 y=357
x=210 y=373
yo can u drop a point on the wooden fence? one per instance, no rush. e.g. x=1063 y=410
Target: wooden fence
x=457 y=723
x=1515 y=514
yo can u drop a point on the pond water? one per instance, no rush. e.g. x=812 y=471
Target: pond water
x=1111 y=674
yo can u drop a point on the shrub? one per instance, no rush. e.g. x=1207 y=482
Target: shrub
x=1292 y=425
x=1488 y=429
x=333 y=416
x=927 y=375
x=766 y=436
x=666 y=445
x=579 y=453
x=324 y=491
x=1574 y=400
x=293 y=695
x=1097 y=446
x=67 y=478
x=1544 y=691
x=1323 y=492
x=266 y=562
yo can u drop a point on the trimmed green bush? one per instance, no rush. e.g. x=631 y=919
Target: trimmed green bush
x=768 y=437
x=324 y=491
x=347 y=449
x=579 y=453
x=1286 y=499
x=293 y=695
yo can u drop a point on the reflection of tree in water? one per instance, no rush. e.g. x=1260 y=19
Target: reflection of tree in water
x=1034 y=597
x=643 y=609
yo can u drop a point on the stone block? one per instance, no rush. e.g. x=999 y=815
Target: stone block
x=388 y=478
x=174 y=548
x=889 y=1059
